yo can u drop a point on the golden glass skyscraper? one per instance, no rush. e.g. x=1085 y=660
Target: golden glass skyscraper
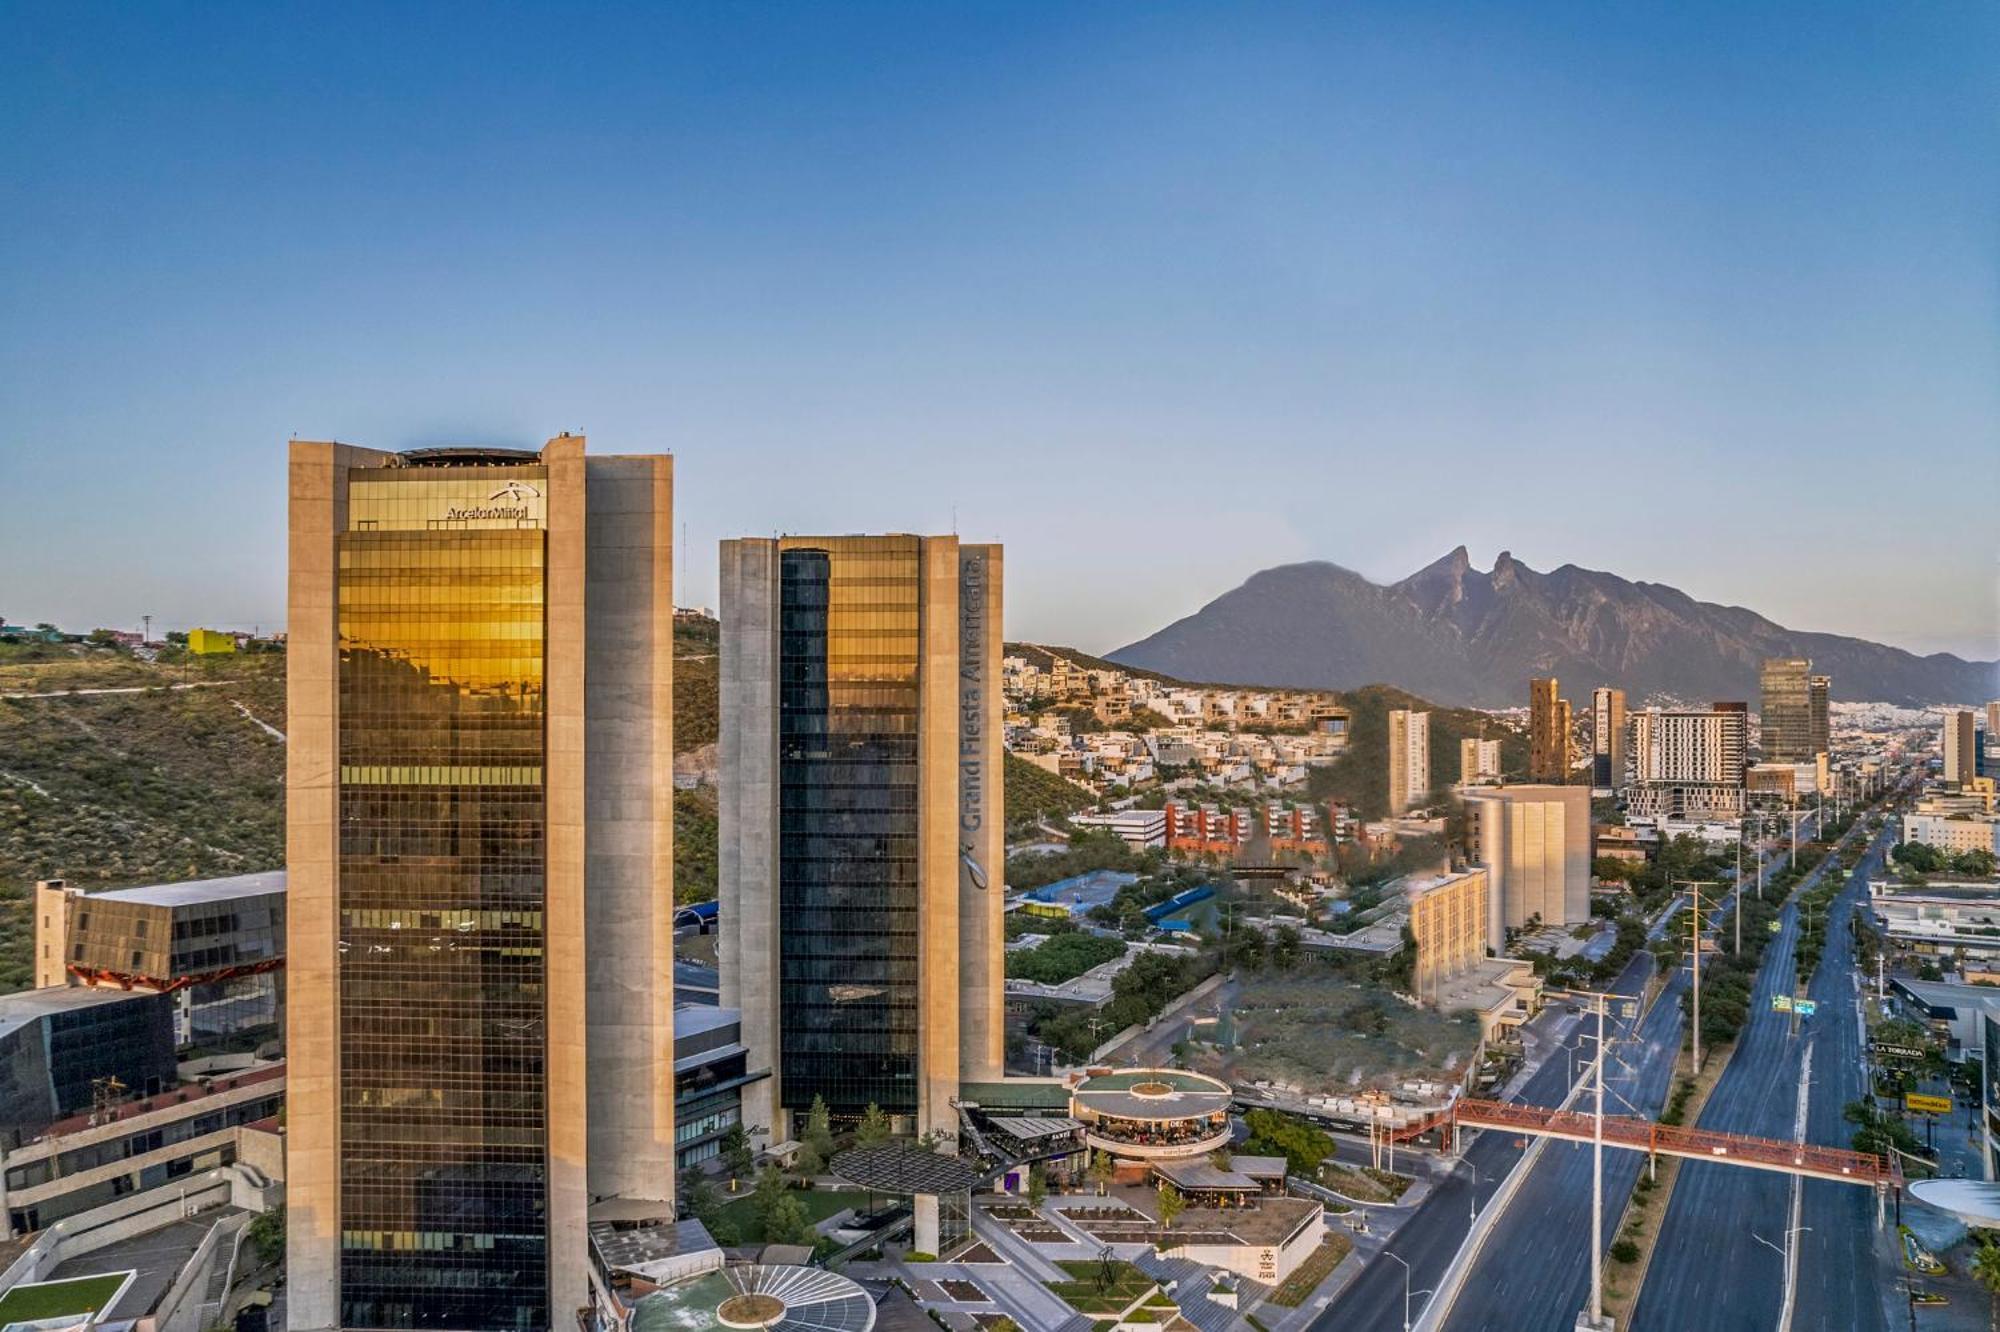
x=1793 y=713
x=479 y=1047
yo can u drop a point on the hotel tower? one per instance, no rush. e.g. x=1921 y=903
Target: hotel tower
x=861 y=851
x=479 y=833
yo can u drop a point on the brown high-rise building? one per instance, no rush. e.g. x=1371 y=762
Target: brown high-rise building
x=1960 y=746
x=480 y=713
x=1548 y=732
x=1608 y=731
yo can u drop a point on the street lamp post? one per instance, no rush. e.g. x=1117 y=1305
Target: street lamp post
x=1789 y=1256
x=1406 y=1287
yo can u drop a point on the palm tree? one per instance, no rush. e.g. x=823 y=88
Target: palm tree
x=1986 y=1271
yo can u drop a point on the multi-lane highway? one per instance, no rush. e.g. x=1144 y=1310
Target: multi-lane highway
x=1718 y=1263
x=1533 y=1269
x=1429 y=1239
x=1840 y=1278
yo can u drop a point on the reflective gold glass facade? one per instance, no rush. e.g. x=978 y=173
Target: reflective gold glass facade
x=441 y=884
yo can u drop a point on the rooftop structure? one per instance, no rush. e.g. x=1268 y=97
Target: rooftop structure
x=754 y=1296
x=217 y=945
x=1152 y=1114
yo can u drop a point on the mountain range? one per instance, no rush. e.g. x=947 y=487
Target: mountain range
x=1458 y=635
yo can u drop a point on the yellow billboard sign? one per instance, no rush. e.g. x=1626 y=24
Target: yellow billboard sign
x=1927 y=1105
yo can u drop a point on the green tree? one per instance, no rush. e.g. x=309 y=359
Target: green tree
x=1986 y=1271
x=770 y=1190
x=1287 y=947
x=1038 y=1187
x=1171 y=1204
x=819 y=1129
x=874 y=1126
x=1978 y=863
x=786 y=1222
x=1274 y=1133
x=266 y=1234
x=736 y=1154
x=1101 y=1171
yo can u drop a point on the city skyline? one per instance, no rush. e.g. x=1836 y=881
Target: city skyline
x=1068 y=263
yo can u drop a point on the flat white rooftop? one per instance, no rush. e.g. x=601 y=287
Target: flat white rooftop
x=194 y=892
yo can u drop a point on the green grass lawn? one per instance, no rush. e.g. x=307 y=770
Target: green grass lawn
x=1128 y=1283
x=59 y=1299
x=819 y=1204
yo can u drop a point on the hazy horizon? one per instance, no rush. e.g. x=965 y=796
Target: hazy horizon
x=1702 y=295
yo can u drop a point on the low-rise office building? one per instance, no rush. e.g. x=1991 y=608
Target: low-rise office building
x=1947 y=916
x=711 y=1069
x=1140 y=828
x=1954 y=832
x=122 y=1148
x=217 y=946
x=63 y=1050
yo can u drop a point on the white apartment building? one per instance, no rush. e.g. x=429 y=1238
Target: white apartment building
x=1140 y=828
x=1409 y=758
x=1478 y=762
x=1688 y=764
x=1690 y=746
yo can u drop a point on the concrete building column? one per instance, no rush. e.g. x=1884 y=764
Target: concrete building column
x=924 y=1209
x=747 y=798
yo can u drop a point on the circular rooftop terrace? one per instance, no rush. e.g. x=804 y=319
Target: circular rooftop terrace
x=1153 y=1113
x=754 y=1296
x=1151 y=1094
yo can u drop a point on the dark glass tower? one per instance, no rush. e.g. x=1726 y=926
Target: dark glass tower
x=847 y=827
x=860 y=849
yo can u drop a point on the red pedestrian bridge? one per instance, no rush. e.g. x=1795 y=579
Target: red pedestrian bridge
x=1644 y=1135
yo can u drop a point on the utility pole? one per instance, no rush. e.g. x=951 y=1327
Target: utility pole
x=1597 y=1174
x=1696 y=928
x=1593 y=1318
x=1736 y=885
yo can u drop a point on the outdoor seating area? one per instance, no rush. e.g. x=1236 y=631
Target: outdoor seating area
x=1150 y=1113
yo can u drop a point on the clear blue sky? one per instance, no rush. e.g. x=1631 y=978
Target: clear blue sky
x=1157 y=294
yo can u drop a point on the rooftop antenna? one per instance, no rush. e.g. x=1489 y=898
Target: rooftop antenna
x=954 y=520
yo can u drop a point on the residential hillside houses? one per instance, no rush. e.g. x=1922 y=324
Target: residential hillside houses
x=1107 y=728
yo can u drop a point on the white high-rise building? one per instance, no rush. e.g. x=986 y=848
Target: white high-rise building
x=1409 y=758
x=1689 y=764
x=1534 y=842
x=1690 y=746
x=1478 y=762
